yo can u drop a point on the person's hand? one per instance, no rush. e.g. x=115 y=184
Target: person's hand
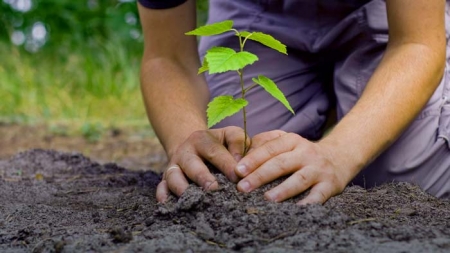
x=222 y=147
x=311 y=166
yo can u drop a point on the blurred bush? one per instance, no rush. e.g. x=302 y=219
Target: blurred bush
x=64 y=24
x=61 y=25
x=67 y=24
x=71 y=60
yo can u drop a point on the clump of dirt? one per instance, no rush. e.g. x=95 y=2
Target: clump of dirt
x=64 y=202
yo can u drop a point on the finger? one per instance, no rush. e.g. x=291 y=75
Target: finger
x=283 y=164
x=267 y=151
x=176 y=181
x=162 y=191
x=234 y=138
x=168 y=171
x=319 y=194
x=196 y=170
x=217 y=154
x=297 y=183
x=260 y=139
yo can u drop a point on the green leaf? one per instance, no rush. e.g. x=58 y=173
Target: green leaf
x=212 y=29
x=266 y=40
x=204 y=67
x=222 y=107
x=273 y=90
x=222 y=59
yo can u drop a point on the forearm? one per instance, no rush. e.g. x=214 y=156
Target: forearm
x=175 y=100
x=175 y=96
x=398 y=90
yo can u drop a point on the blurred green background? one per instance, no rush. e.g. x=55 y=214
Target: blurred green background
x=72 y=62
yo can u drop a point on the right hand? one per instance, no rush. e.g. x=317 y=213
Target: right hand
x=222 y=147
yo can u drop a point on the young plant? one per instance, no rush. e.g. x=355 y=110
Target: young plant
x=223 y=59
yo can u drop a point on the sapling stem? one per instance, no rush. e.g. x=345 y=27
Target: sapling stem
x=244 y=113
x=222 y=59
x=243 y=89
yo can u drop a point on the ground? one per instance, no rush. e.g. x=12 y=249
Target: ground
x=52 y=201
x=133 y=148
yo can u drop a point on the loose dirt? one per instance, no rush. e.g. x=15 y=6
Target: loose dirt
x=64 y=202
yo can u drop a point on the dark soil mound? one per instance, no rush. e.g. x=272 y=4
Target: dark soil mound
x=59 y=202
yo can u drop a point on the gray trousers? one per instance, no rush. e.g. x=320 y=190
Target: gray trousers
x=334 y=47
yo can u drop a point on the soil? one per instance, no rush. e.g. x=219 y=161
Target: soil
x=52 y=201
x=135 y=148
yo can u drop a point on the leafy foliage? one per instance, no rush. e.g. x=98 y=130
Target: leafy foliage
x=266 y=40
x=86 y=69
x=212 y=29
x=73 y=24
x=204 y=67
x=273 y=90
x=222 y=59
x=86 y=64
x=222 y=107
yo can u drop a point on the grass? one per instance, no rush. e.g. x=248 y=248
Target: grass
x=84 y=86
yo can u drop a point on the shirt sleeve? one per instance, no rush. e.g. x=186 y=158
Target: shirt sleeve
x=161 y=4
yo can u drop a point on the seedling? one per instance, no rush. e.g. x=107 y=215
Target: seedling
x=223 y=59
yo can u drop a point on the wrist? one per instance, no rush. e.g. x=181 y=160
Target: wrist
x=349 y=162
x=172 y=150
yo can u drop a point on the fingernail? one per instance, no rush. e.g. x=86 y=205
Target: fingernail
x=233 y=177
x=271 y=196
x=301 y=203
x=237 y=157
x=209 y=186
x=242 y=169
x=244 y=185
x=163 y=200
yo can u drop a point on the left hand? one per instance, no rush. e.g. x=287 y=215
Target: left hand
x=277 y=153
